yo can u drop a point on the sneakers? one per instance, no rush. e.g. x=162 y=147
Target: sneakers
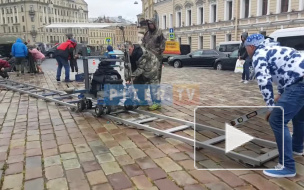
x=298 y=153
x=241 y=81
x=155 y=107
x=68 y=80
x=279 y=172
x=58 y=80
x=246 y=81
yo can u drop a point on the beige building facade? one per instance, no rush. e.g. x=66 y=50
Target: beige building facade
x=131 y=34
x=205 y=23
x=27 y=18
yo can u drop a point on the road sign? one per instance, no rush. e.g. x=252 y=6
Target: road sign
x=171 y=30
x=108 y=40
x=171 y=36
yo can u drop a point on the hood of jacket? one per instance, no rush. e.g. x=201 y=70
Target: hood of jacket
x=110 y=48
x=269 y=42
x=154 y=22
x=244 y=35
x=73 y=42
x=19 y=40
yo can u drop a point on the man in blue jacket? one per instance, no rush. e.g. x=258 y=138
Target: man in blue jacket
x=19 y=51
x=283 y=66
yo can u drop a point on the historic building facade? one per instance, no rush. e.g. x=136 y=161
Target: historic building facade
x=205 y=23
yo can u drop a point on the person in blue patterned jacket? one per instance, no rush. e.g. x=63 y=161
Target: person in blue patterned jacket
x=283 y=66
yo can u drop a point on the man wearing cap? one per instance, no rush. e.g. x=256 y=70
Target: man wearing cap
x=285 y=67
x=155 y=41
x=64 y=53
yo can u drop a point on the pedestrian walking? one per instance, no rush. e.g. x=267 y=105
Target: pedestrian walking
x=283 y=66
x=243 y=55
x=155 y=41
x=64 y=53
x=20 y=51
x=38 y=58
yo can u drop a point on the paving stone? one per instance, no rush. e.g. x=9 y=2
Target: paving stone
x=52 y=161
x=53 y=172
x=286 y=184
x=178 y=156
x=136 y=153
x=166 y=184
x=155 y=153
x=187 y=164
x=50 y=152
x=208 y=177
x=127 y=144
x=146 y=163
x=104 y=158
x=82 y=148
x=68 y=156
x=49 y=144
x=66 y=148
x=155 y=173
x=259 y=182
x=119 y=181
x=105 y=137
x=182 y=178
x=33 y=162
x=208 y=164
x=36 y=184
x=71 y=164
x=15 y=159
x=110 y=168
x=124 y=160
x=229 y=178
x=57 y=184
x=33 y=173
x=87 y=156
x=90 y=166
x=218 y=186
x=100 y=149
x=167 y=164
x=16 y=151
x=167 y=148
x=3 y=156
x=195 y=187
x=14 y=168
x=80 y=185
x=141 y=182
x=96 y=177
x=133 y=170
x=117 y=151
x=63 y=140
x=75 y=175
x=105 y=186
x=47 y=137
x=110 y=144
x=145 y=145
x=33 y=152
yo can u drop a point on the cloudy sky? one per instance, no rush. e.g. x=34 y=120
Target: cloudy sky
x=125 y=8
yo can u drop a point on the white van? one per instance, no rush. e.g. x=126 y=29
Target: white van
x=229 y=47
x=290 y=37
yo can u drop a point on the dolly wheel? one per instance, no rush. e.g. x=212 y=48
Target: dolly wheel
x=128 y=105
x=99 y=110
x=81 y=105
x=107 y=109
x=89 y=104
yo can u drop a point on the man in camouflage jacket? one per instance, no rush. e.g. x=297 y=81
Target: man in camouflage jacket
x=145 y=67
x=155 y=41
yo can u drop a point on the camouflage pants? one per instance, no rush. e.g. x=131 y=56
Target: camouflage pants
x=160 y=59
x=142 y=84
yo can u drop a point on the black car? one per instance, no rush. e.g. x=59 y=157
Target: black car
x=227 y=63
x=198 y=58
x=51 y=52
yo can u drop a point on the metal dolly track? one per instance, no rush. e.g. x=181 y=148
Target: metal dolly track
x=141 y=123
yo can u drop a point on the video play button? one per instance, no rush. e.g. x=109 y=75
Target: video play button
x=235 y=138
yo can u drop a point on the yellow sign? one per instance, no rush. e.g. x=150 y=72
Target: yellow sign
x=172 y=47
x=108 y=40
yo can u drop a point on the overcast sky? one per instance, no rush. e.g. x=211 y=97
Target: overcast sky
x=125 y=8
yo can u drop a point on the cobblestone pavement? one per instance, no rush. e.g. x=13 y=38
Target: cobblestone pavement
x=43 y=146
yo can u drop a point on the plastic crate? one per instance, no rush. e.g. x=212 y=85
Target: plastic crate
x=79 y=77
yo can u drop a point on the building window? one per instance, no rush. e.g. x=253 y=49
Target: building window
x=201 y=42
x=15 y=9
x=213 y=13
x=23 y=28
x=16 y=19
x=229 y=9
x=228 y=37
x=31 y=8
x=17 y=29
x=9 y=29
x=22 y=8
x=4 y=29
x=165 y=22
x=179 y=19
x=284 y=6
x=180 y=41
x=12 y=19
x=200 y=15
x=213 y=42
x=189 y=14
x=246 y=8
x=3 y=20
x=32 y=19
x=171 y=20
x=190 y=42
x=13 y=29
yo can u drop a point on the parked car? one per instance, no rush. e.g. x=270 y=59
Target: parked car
x=198 y=58
x=51 y=52
x=227 y=63
x=229 y=47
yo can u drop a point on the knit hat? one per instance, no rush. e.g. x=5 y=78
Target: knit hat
x=254 y=40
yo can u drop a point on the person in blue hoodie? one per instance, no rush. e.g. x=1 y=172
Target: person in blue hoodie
x=110 y=50
x=19 y=51
x=283 y=66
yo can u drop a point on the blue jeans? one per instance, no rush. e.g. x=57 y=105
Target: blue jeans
x=63 y=63
x=292 y=100
x=246 y=73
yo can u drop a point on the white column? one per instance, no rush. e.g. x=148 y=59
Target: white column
x=289 y=5
x=13 y=14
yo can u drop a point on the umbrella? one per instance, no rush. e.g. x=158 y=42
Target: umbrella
x=8 y=39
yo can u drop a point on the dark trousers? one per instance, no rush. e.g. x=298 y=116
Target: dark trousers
x=4 y=73
x=246 y=66
x=73 y=65
x=20 y=64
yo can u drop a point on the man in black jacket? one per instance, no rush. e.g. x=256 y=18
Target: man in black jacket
x=243 y=55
